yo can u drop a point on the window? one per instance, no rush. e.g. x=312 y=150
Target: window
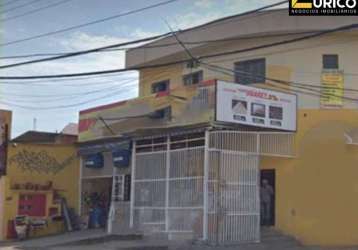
x=164 y=113
x=250 y=71
x=330 y=61
x=193 y=78
x=160 y=86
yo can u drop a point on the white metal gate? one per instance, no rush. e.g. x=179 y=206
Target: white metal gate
x=233 y=188
x=168 y=187
x=233 y=209
x=205 y=187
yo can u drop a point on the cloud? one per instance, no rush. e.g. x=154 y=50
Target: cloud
x=140 y=33
x=203 y=11
x=92 y=62
x=84 y=41
x=204 y=3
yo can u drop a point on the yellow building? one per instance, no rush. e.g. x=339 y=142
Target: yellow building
x=311 y=166
x=42 y=171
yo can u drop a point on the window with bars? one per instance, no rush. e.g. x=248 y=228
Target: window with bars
x=190 y=140
x=193 y=78
x=250 y=71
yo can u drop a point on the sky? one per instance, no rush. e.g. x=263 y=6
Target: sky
x=56 y=103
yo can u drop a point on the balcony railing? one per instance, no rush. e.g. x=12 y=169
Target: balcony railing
x=179 y=107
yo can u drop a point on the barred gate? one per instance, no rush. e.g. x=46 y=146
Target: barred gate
x=168 y=187
x=233 y=189
x=203 y=186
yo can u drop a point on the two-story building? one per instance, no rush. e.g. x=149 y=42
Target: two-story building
x=265 y=96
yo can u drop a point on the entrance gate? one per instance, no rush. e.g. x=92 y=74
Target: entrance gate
x=202 y=186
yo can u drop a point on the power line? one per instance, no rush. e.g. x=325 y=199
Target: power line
x=97 y=49
x=69 y=97
x=282 y=82
x=34 y=11
x=89 y=23
x=71 y=94
x=65 y=106
x=210 y=66
x=294 y=40
x=83 y=52
x=10 y=2
x=18 y=7
x=101 y=72
x=30 y=82
x=149 y=46
x=256 y=75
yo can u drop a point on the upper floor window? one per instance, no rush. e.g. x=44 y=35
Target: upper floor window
x=250 y=71
x=330 y=61
x=193 y=78
x=160 y=86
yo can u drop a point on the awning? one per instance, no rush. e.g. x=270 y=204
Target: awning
x=105 y=146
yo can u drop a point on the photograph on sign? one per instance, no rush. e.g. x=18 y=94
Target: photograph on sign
x=258 y=107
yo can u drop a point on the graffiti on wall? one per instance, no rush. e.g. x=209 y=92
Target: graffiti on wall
x=39 y=162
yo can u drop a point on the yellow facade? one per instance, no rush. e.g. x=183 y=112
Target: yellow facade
x=316 y=190
x=38 y=165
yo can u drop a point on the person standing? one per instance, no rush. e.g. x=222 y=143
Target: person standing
x=266 y=194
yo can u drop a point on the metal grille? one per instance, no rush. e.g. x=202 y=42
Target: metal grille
x=278 y=144
x=233 y=211
x=204 y=188
x=168 y=188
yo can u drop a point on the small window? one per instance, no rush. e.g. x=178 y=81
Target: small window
x=193 y=78
x=250 y=71
x=164 y=113
x=160 y=86
x=330 y=61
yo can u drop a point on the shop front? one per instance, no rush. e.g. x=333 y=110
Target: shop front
x=196 y=173
x=202 y=184
x=105 y=178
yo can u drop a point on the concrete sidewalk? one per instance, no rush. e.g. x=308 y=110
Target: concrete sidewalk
x=98 y=239
x=65 y=238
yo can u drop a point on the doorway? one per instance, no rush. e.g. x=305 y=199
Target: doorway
x=268 y=191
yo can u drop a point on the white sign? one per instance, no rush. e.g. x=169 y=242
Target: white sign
x=257 y=107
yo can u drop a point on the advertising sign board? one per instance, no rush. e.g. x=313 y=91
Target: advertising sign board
x=241 y=104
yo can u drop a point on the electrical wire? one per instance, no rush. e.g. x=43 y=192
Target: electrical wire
x=88 y=23
x=34 y=11
x=49 y=81
x=294 y=40
x=151 y=46
x=101 y=72
x=19 y=6
x=64 y=106
x=10 y=2
x=282 y=82
x=254 y=76
x=124 y=85
x=80 y=53
x=69 y=97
